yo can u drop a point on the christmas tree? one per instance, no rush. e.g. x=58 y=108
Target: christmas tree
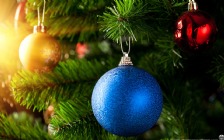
x=90 y=34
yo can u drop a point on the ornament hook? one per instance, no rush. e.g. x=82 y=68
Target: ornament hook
x=126 y=60
x=40 y=26
x=192 y=5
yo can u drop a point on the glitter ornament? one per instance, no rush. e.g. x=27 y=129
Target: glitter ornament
x=195 y=30
x=39 y=51
x=126 y=100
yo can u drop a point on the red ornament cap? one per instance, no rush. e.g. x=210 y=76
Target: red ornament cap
x=195 y=31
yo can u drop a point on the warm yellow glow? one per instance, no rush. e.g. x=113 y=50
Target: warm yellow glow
x=10 y=38
x=23 y=50
x=2 y=37
x=7 y=9
x=7 y=48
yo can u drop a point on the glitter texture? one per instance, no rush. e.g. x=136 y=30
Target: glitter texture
x=127 y=101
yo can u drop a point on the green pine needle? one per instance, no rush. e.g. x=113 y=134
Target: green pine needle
x=69 y=80
x=121 y=19
x=74 y=119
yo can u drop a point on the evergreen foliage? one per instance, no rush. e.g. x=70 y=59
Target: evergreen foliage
x=189 y=81
x=39 y=90
x=21 y=126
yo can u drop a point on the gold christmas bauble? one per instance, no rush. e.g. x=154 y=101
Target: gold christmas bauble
x=39 y=52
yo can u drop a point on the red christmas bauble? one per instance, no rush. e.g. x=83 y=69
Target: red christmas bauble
x=195 y=31
x=20 y=15
x=81 y=49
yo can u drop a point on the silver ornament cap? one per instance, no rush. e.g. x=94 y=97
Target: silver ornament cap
x=125 y=60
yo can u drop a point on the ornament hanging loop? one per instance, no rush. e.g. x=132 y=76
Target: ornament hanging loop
x=129 y=46
x=43 y=12
x=192 y=5
x=126 y=60
x=40 y=26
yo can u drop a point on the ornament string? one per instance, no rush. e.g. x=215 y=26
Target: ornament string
x=43 y=11
x=38 y=14
x=129 y=46
x=192 y=5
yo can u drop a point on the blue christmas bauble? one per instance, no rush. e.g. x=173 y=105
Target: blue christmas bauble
x=127 y=101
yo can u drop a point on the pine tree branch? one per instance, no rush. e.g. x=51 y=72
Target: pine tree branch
x=71 y=28
x=74 y=119
x=67 y=7
x=122 y=18
x=69 y=80
x=137 y=18
x=181 y=106
x=134 y=18
x=162 y=58
x=217 y=69
x=21 y=130
x=64 y=27
x=68 y=19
